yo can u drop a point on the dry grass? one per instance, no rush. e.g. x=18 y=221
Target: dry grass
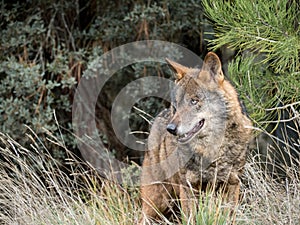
x=267 y=197
x=266 y=201
x=36 y=189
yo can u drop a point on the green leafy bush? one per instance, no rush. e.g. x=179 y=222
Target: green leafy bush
x=36 y=76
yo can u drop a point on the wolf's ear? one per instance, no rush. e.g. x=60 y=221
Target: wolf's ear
x=179 y=69
x=213 y=65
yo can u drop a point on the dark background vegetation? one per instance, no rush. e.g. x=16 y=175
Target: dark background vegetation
x=47 y=45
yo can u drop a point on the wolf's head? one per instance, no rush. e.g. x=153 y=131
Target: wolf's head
x=198 y=101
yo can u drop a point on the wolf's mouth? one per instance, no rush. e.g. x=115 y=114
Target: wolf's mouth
x=189 y=135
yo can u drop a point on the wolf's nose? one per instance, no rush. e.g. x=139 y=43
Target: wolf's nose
x=171 y=127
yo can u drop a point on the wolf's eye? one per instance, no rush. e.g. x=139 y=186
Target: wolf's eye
x=194 y=101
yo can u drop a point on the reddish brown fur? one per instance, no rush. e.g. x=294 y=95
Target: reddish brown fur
x=218 y=149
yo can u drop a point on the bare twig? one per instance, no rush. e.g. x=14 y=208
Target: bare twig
x=283 y=107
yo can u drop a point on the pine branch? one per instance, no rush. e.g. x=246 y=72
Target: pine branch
x=264 y=26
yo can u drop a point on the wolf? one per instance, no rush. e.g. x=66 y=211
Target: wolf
x=201 y=141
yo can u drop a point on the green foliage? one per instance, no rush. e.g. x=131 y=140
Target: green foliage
x=35 y=76
x=167 y=20
x=254 y=84
x=267 y=27
x=267 y=36
x=46 y=48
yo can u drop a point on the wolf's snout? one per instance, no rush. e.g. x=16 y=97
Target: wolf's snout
x=172 y=128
